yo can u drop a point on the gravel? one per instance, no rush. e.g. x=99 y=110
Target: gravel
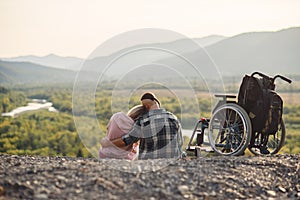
x=216 y=177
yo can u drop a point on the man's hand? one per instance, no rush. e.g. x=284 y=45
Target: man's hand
x=105 y=142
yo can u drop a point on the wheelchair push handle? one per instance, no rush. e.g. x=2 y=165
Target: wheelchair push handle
x=273 y=79
x=260 y=74
x=283 y=78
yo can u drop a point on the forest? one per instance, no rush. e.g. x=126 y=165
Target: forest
x=54 y=133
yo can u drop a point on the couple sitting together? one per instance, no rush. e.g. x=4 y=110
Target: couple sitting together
x=146 y=132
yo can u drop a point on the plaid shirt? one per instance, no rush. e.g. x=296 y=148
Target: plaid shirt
x=159 y=133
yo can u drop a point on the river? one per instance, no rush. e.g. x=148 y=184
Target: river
x=35 y=104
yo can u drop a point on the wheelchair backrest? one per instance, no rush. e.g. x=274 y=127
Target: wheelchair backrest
x=262 y=103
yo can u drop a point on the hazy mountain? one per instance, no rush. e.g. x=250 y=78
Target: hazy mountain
x=209 y=40
x=127 y=60
x=51 y=60
x=74 y=63
x=25 y=72
x=269 y=52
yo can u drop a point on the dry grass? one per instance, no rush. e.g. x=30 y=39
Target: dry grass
x=288 y=98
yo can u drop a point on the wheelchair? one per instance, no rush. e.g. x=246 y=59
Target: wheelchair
x=230 y=131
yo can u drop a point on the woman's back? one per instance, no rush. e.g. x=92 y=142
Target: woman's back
x=119 y=125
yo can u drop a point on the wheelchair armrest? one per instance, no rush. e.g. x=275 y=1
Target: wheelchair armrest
x=225 y=96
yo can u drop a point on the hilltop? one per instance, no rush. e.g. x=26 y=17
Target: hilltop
x=270 y=177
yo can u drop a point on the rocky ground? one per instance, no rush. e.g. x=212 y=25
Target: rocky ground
x=270 y=177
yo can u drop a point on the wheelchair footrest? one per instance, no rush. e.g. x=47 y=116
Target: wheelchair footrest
x=206 y=148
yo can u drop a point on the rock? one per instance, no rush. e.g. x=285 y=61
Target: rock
x=61 y=178
x=41 y=196
x=271 y=193
x=2 y=191
x=213 y=193
x=181 y=169
x=183 y=189
x=281 y=189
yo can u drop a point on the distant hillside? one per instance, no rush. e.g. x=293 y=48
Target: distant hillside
x=269 y=52
x=25 y=72
x=209 y=40
x=51 y=60
x=132 y=60
x=74 y=63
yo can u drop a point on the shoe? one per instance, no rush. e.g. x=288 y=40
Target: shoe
x=264 y=150
x=183 y=154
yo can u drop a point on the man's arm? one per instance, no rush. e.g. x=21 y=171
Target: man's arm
x=118 y=142
x=121 y=142
x=130 y=137
x=105 y=142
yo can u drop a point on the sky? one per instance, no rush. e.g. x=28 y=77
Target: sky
x=77 y=27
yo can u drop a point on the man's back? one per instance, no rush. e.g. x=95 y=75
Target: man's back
x=160 y=135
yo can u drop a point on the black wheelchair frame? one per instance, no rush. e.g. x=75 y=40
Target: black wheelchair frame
x=230 y=129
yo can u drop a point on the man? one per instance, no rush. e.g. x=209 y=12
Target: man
x=158 y=131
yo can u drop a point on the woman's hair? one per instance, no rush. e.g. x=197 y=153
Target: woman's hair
x=136 y=112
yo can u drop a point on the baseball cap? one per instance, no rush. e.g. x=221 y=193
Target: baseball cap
x=151 y=96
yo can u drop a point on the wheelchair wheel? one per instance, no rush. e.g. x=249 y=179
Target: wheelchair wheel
x=229 y=130
x=274 y=143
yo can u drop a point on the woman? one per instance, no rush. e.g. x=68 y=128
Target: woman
x=120 y=124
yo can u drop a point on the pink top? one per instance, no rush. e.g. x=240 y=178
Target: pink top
x=119 y=125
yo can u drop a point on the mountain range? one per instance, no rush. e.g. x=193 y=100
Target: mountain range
x=74 y=63
x=51 y=60
x=269 y=52
x=13 y=73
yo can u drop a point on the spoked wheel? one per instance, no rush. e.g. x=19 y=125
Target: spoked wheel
x=274 y=143
x=229 y=130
